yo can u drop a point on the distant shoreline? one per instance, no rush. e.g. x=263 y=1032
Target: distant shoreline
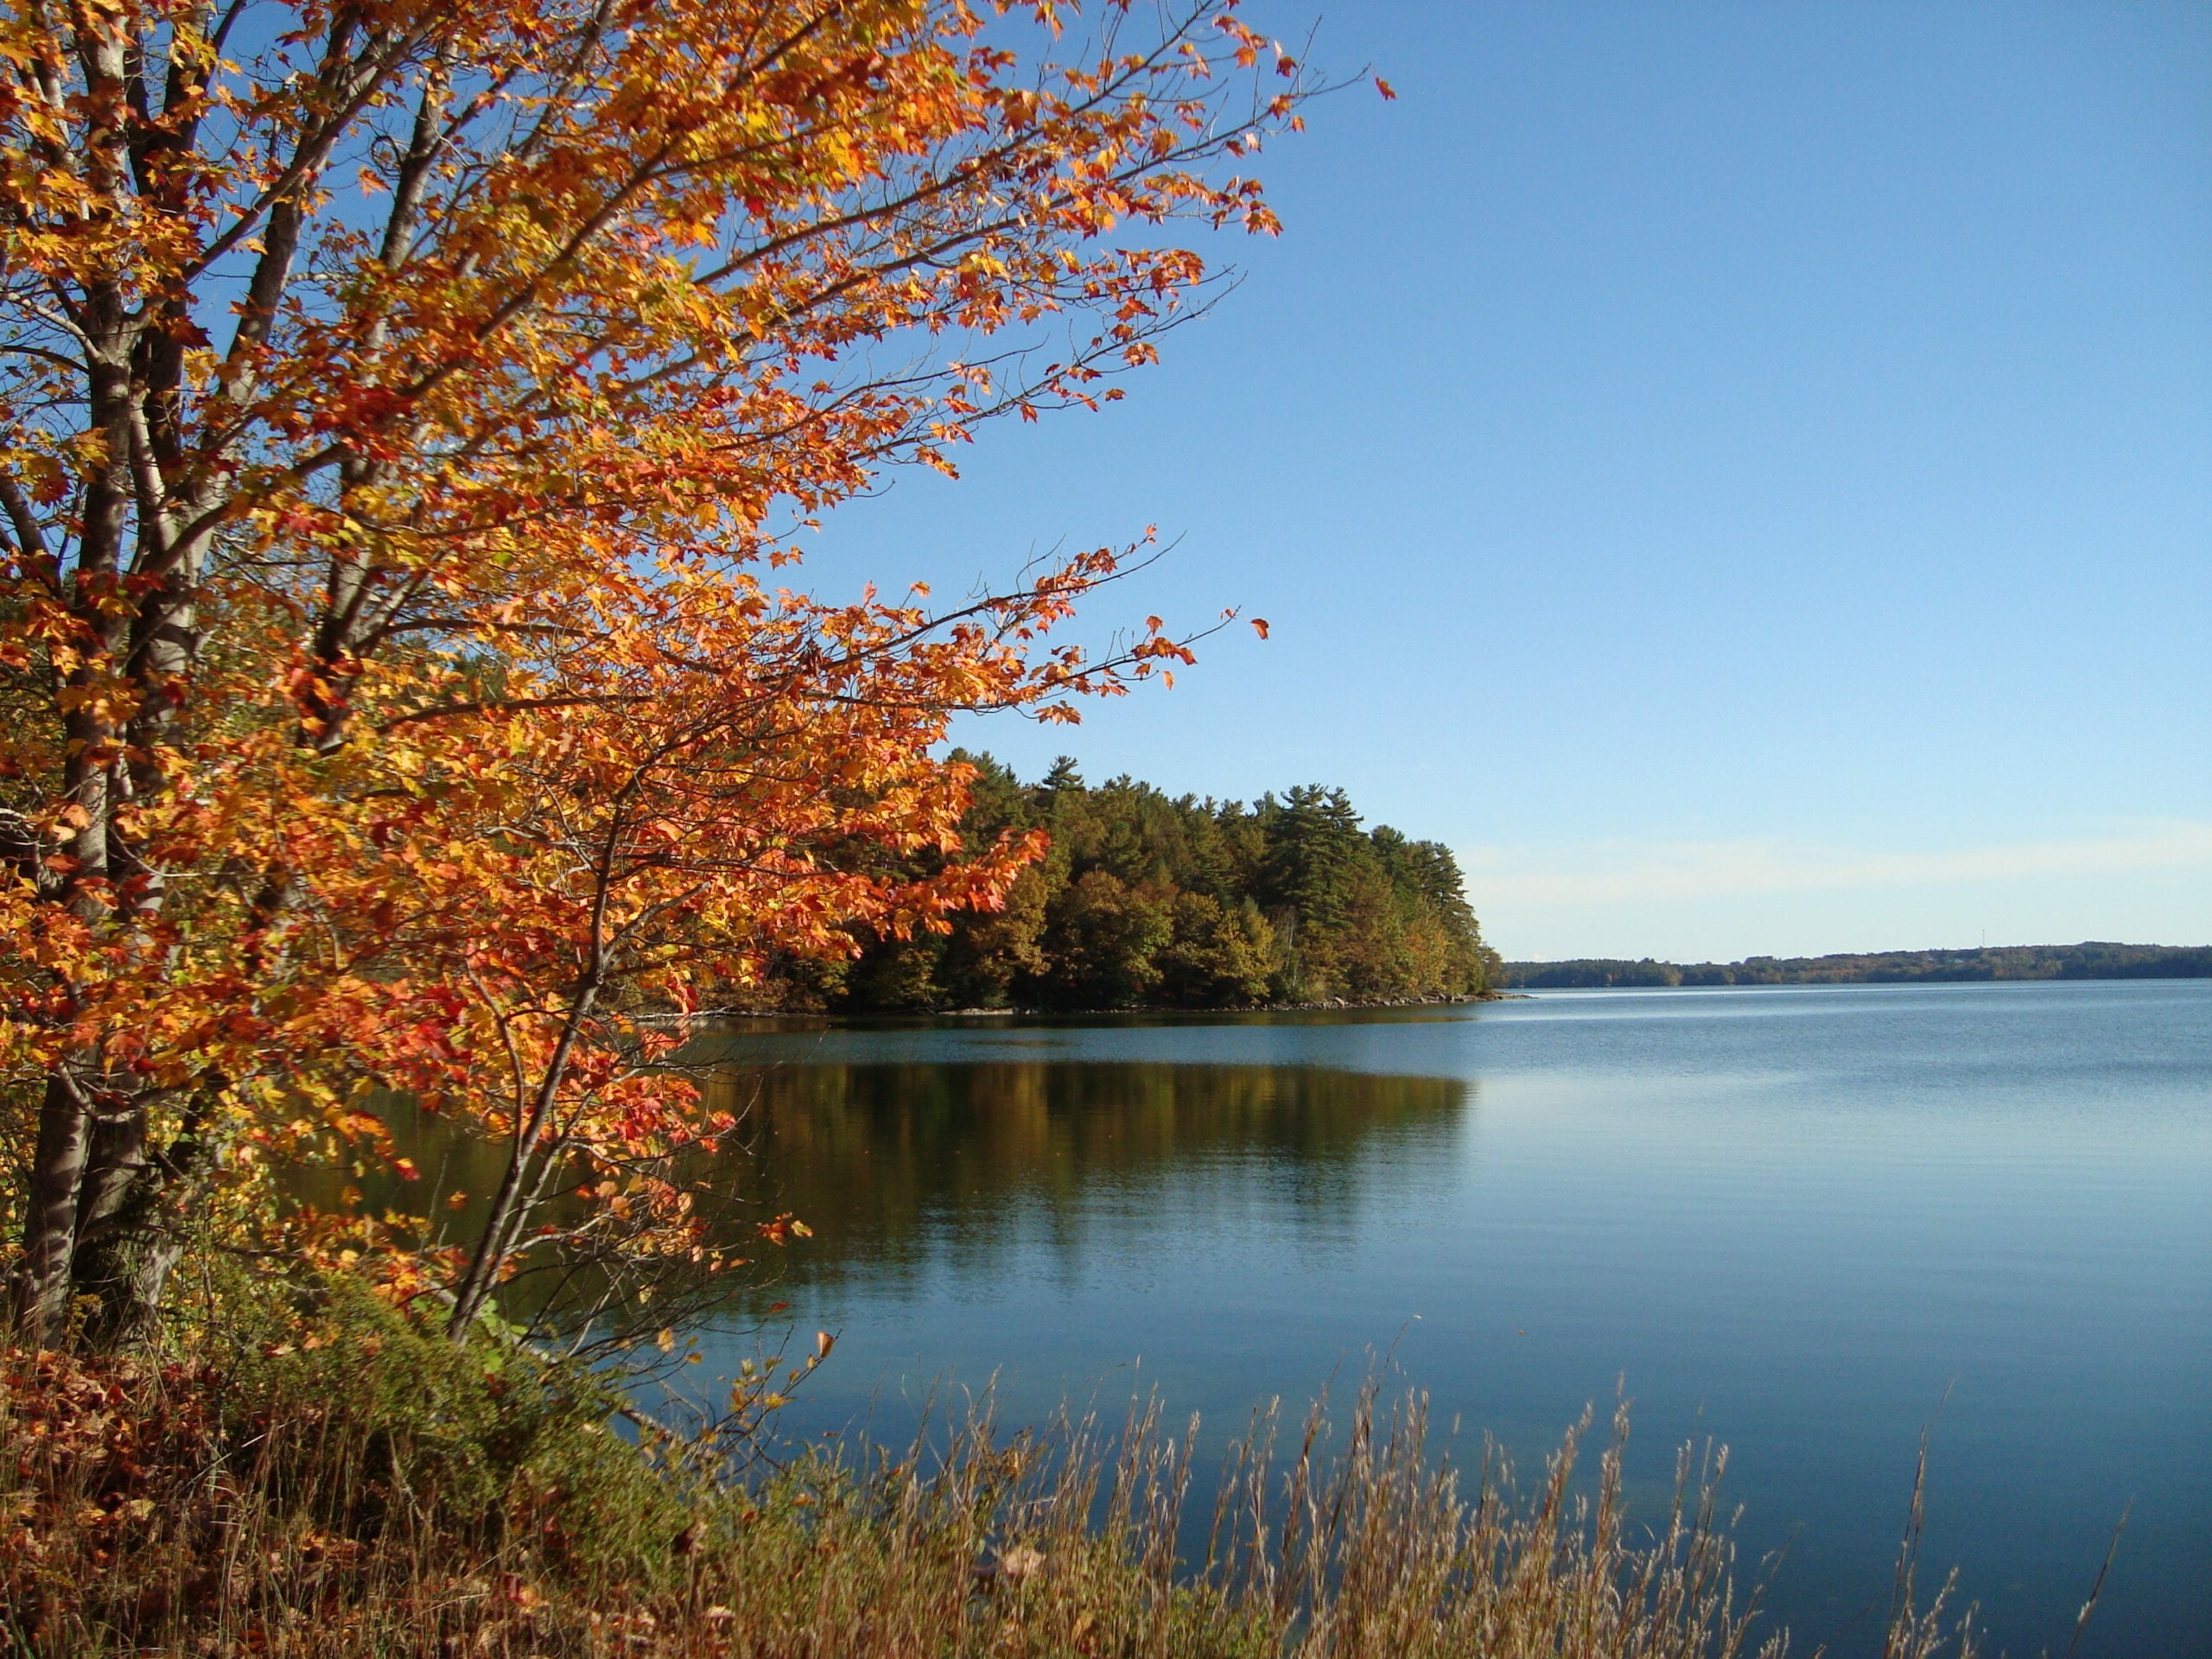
x=868 y=1017
x=2092 y=959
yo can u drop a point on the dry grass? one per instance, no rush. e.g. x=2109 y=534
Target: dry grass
x=364 y=1491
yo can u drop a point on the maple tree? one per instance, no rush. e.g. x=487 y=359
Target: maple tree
x=405 y=408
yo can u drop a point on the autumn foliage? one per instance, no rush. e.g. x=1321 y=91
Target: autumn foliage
x=407 y=407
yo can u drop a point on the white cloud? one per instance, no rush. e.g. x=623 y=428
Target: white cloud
x=1695 y=898
x=1594 y=872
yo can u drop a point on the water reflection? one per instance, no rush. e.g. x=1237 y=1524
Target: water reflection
x=894 y=1166
x=1797 y=1220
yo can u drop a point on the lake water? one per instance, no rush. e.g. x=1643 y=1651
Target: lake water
x=1804 y=1222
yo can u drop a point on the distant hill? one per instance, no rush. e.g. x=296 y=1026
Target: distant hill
x=2092 y=960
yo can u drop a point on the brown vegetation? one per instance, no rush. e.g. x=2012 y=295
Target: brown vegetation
x=361 y=1488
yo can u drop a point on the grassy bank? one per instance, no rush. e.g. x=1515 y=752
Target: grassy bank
x=322 y=1479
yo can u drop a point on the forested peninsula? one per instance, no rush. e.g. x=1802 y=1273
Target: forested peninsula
x=2093 y=959
x=1144 y=900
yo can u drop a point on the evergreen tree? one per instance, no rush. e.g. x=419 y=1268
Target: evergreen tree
x=1147 y=900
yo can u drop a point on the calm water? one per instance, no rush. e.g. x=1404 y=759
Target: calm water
x=1805 y=1222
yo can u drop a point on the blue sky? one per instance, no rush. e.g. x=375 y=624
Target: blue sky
x=1739 y=474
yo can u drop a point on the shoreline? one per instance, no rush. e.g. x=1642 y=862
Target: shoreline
x=1326 y=1005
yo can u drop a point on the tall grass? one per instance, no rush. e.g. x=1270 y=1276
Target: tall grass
x=360 y=1489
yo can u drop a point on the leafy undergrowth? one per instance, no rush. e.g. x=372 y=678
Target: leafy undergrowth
x=356 y=1487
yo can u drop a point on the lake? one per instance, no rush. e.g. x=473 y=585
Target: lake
x=1805 y=1222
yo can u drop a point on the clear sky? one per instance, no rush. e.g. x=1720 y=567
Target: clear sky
x=1741 y=474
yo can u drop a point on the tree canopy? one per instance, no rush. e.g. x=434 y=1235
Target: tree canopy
x=405 y=406
x=1146 y=900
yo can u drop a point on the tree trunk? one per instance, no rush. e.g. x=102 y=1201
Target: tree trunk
x=521 y=1189
x=41 y=1288
x=107 y=1221
x=126 y=1250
